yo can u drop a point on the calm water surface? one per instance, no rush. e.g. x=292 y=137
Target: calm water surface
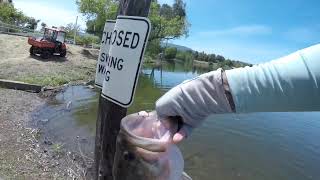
x=255 y=146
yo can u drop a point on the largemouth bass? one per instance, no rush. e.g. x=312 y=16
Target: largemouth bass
x=145 y=151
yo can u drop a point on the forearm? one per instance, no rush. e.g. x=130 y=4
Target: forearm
x=291 y=83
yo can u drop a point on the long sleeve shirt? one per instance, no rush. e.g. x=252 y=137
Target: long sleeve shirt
x=291 y=83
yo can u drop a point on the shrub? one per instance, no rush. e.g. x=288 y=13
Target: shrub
x=170 y=53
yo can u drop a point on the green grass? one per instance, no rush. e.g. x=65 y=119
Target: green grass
x=45 y=80
x=58 y=148
x=148 y=59
x=53 y=79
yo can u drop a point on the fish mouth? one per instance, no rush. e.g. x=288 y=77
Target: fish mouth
x=145 y=141
x=130 y=128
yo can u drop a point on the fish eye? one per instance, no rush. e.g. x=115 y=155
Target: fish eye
x=128 y=156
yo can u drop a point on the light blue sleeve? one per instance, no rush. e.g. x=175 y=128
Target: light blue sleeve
x=291 y=83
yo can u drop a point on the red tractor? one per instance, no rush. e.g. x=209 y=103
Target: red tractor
x=52 y=43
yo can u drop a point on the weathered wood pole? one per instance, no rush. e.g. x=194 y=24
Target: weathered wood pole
x=110 y=114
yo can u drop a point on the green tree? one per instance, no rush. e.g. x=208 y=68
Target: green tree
x=153 y=48
x=185 y=55
x=166 y=11
x=170 y=26
x=212 y=58
x=70 y=28
x=32 y=23
x=202 y=56
x=97 y=12
x=87 y=40
x=167 y=22
x=9 y=14
x=229 y=63
x=181 y=55
x=220 y=58
x=170 y=53
x=196 y=55
x=43 y=25
x=179 y=8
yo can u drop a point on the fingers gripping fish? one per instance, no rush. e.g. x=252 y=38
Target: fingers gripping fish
x=145 y=151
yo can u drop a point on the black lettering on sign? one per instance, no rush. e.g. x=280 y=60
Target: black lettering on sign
x=108 y=37
x=103 y=57
x=120 y=64
x=107 y=77
x=108 y=60
x=135 y=39
x=115 y=32
x=115 y=63
x=126 y=38
x=120 y=38
x=102 y=69
x=103 y=35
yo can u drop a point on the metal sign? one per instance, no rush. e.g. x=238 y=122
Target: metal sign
x=127 y=45
x=104 y=49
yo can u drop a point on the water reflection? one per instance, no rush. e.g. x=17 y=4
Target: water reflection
x=236 y=146
x=146 y=95
x=170 y=74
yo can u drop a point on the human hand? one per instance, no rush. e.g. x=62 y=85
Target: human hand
x=194 y=100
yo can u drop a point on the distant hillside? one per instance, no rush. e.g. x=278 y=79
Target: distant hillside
x=179 y=47
x=200 y=58
x=182 y=52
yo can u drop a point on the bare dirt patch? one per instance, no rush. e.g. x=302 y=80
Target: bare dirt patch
x=24 y=152
x=17 y=64
x=17 y=156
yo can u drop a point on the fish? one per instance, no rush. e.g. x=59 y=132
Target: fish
x=144 y=150
x=68 y=106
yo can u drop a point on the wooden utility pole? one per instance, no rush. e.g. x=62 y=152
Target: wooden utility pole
x=109 y=113
x=94 y=31
x=75 y=31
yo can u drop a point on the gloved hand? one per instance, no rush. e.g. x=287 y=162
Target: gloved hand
x=194 y=100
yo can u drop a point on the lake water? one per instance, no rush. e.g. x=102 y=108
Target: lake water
x=255 y=146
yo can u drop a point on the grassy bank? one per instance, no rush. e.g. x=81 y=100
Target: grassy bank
x=53 y=79
x=17 y=64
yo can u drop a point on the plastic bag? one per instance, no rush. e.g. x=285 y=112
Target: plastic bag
x=145 y=150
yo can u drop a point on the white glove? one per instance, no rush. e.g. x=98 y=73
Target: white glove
x=194 y=100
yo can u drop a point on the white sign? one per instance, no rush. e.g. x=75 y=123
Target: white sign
x=104 y=49
x=127 y=45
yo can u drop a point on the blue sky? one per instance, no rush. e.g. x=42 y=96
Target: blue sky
x=52 y=12
x=248 y=30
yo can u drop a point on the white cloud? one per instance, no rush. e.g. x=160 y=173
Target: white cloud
x=246 y=30
x=50 y=13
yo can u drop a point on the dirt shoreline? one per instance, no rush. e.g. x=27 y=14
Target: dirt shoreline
x=16 y=63
x=24 y=152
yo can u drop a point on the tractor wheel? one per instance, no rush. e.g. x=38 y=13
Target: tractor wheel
x=31 y=50
x=45 y=54
x=63 y=53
